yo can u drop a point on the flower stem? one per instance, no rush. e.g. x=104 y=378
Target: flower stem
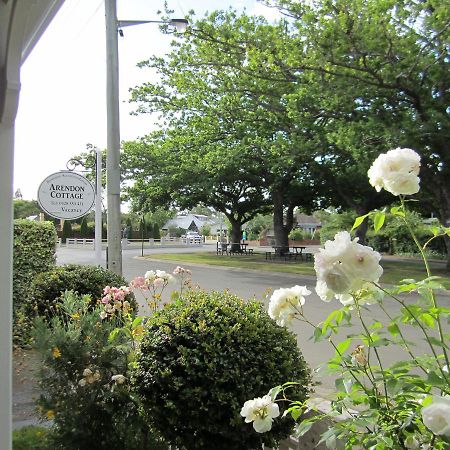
x=405 y=344
x=432 y=294
x=347 y=367
x=358 y=309
x=417 y=321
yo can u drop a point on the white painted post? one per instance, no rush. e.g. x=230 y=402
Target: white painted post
x=6 y=278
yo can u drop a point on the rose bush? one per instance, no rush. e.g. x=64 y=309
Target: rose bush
x=49 y=286
x=404 y=405
x=83 y=379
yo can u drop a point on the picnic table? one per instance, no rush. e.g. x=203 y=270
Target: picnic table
x=231 y=248
x=286 y=253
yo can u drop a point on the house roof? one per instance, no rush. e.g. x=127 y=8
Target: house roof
x=185 y=221
x=304 y=219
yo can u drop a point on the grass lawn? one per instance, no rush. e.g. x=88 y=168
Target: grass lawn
x=394 y=270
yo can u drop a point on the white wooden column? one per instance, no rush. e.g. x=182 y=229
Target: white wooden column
x=9 y=99
x=21 y=25
x=6 y=239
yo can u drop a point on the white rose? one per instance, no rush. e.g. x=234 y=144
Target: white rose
x=336 y=278
x=412 y=442
x=436 y=416
x=150 y=275
x=323 y=291
x=119 y=379
x=285 y=302
x=344 y=266
x=362 y=262
x=396 y=171
x=261 y=411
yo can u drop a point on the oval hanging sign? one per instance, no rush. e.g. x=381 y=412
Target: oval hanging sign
x=66 y=195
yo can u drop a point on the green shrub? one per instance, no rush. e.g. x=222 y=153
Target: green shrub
x=257 y=226
x=296 y=234
x=149 y=230
x=205 y=230
x=334 y=222
x=67 y=231
x=89 y=408
x=31 y=438
x=173 y=231
x=156 y=232
x=34 y=252
x=84 y=230
x=394 y=237
x=48 y=287
x=201 y=359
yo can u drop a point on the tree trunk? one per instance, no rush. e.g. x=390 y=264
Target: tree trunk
x=282 y=225
x=361 y=232
x=235 y=234
x=447 y=246
x=442 y=195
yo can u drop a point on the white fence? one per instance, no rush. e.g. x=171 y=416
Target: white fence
x=84 y=242
x=129 y=243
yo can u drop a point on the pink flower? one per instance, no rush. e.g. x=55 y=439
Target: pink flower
x=138 y=282
x=105 y=299
x=106 y=290
x=125 y=289
x=181 y=271
x=119 y=295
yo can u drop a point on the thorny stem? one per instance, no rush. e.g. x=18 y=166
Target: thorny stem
x=427 y=267
x=358 y=309
x=405 y=344
x=424 y=331
x=304 y=319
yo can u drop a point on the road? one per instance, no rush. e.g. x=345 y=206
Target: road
x=249 y=284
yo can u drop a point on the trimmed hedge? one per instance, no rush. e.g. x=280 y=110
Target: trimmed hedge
x=48 y=287
x=34 y=253
x=201 y=358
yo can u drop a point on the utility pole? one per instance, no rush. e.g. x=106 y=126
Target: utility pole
x=113 y=140
x=98 y=206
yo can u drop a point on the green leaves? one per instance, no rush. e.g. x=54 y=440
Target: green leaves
x=378 y=218
x=359 y=220
x=332 y=323
x=343 y=346
x=398 y=211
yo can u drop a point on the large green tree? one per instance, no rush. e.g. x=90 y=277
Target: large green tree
x=167 y=172
x=25 y=208
x=230 y=142
x=387 y=63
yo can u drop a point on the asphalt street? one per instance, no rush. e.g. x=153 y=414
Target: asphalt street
x=249 y=284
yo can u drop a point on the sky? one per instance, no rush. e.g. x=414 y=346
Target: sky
x=62 y=105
